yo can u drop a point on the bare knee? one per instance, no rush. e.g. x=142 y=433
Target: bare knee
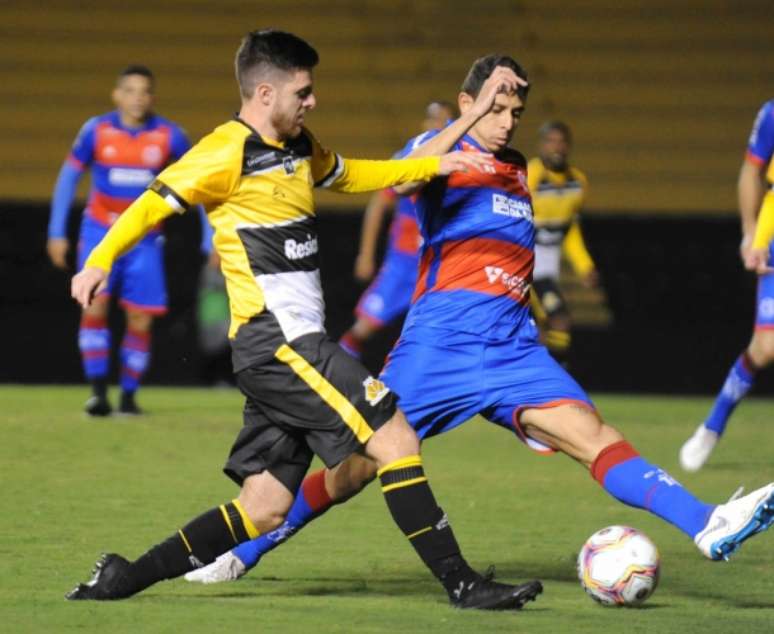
x=761 y=349
x=392 y=441
x=98 y=309
x=138 y=321
x=265 y=501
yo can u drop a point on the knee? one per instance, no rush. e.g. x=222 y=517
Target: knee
x=138 y=321
x=761 y=348
x=396 y=439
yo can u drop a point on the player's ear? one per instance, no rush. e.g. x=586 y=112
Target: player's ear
x=464 y=101
x=116 y=96
x=264 y=93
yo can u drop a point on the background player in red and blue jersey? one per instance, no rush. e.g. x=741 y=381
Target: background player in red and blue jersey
x=125 y=150
x=388 y=298
x=756 y=176
x=470 y=346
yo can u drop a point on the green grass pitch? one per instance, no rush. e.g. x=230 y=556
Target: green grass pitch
x=72 y=488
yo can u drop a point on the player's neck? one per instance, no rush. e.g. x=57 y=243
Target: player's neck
x=129 y=121
x=261 y=124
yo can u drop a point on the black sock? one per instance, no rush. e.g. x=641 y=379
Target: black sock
x=415 y=511
x=99 y=387
x=197 y=544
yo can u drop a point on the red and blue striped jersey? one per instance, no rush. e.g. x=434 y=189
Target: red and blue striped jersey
x=123 y=161
x=760 y=148
x=478 y=251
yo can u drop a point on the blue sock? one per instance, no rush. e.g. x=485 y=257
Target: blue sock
x=312 y=500
x=738 y=382
x=135 y=357
x=94 y=344
x=634 y=481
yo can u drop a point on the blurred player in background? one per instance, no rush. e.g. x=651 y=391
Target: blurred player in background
x=756 y=176
x=304 y=395
x=388 y=298
x=125 y=150
x=469 y=345
x=558 y=192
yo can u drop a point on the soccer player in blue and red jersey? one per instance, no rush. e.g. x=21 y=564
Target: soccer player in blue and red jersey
x=388 y=298
x=470 y=346
x=125 y=150
x=756 y=176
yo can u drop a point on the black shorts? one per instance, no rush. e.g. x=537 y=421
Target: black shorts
x=310 y=398
x=550 y=299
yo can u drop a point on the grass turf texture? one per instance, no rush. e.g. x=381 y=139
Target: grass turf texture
x=74 y=487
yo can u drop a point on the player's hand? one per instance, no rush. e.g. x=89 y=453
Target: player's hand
x=591 y=279
x=745 y=246
x=466 y=162
x=757 y=260
x=57 y=251
x=87 y=284
x=365 y=267
x=213 y=260
x=502 y=80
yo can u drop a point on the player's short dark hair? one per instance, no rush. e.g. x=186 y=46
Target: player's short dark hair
x=137 y=69
x=484 y=66
x=555 y=126
x=270 y=48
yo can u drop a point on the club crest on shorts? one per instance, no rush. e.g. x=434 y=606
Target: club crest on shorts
x=375 y=390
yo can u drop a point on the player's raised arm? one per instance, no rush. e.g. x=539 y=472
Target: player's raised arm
x=141 y=216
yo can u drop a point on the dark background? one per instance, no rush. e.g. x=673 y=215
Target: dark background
x=682 y=305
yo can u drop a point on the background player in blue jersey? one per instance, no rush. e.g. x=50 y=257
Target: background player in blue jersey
x=125 y=149
x=469 y=345
x=388 y=298
x=755 y=177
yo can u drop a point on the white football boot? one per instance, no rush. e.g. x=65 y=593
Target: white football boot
x=696 y=450
x=227 y=567
x=735 y=521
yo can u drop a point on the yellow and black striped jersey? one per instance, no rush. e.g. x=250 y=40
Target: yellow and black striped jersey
x=258 y=197
x=557 y=198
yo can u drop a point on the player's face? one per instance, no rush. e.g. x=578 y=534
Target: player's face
x=495 y=129
x=294 y=98
x=133 y=97
x=554 y=148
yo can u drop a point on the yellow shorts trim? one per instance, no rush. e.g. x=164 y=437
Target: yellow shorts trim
x=400 y=485
x=252 y=531
x=421 y=531
x=327 y=392
x=401 y=463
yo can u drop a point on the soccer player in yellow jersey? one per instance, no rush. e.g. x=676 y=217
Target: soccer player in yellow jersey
x=558 y=192
x=304 y=394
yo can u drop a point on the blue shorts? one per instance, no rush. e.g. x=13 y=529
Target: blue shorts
x=138 y=276
x=444 y=378
x=764 y=305
x=389 y=295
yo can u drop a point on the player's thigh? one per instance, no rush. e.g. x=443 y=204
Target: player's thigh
x=90 y=236
x=572 y=428
x=394 y=440
x=143 y=284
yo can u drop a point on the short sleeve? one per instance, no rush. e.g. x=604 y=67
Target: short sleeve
x=760 y=147
x=206 y=174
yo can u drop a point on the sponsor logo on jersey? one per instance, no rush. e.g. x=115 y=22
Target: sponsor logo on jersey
x=515 y=284
x=375 y=390
x=766 y=308
x=504 y=206
x=152 y=155
x=128 y=177
x=299 y=250
x=261 y=159
x=287 y=163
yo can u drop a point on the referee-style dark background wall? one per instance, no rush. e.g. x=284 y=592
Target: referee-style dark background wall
x=682 y=306
x=661 y=96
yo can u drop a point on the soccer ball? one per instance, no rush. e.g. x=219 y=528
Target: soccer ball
x=619 y=565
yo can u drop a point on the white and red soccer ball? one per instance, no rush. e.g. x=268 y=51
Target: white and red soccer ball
x=619 y=565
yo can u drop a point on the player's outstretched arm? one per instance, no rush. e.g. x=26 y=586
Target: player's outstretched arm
x=378 y=206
